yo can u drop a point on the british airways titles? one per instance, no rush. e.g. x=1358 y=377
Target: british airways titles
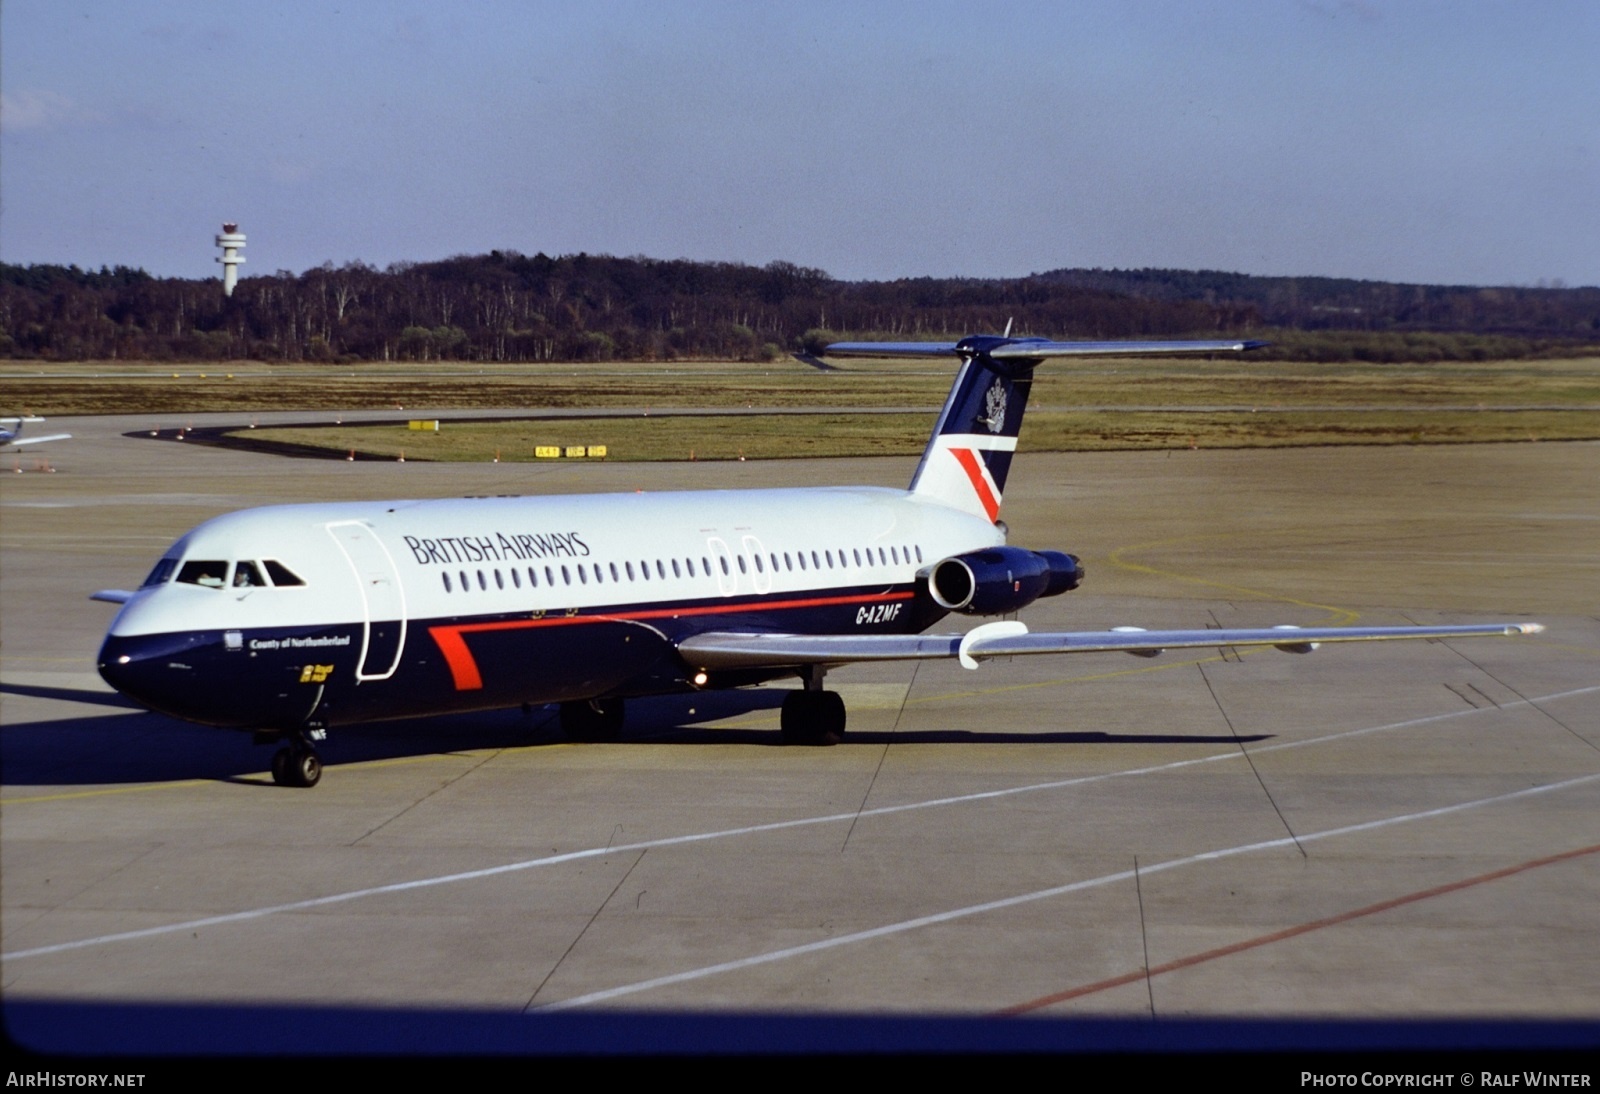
x=518 y=545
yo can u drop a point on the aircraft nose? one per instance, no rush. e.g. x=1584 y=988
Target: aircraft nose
x=151 y=672
x=202 y=677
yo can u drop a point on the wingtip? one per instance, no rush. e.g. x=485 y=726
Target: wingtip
x=1526 y=628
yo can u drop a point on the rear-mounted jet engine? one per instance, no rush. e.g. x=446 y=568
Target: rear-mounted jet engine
x=1000 y=580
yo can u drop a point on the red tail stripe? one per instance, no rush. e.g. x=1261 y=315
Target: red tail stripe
x=973 y=466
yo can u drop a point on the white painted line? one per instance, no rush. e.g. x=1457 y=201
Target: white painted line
x=727 y=833
x=1040 y=894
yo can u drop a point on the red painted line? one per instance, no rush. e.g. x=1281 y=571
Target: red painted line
x=1290 y=932
x=968 y=459
x=464 y=667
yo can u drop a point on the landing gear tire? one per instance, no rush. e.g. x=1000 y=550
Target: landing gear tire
x=812 y=718
x=593 y=719
x=293 y=766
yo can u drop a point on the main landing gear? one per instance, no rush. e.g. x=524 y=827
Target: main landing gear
x=297 y=763
x=812 y=716
x=592 y=719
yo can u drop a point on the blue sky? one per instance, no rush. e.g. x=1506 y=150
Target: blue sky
x=1411 y=141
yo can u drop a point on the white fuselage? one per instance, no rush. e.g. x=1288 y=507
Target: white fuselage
x=411 y=607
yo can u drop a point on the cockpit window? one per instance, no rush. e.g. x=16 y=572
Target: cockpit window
x=281 y=575
x=159 y=575
x=246 y=576
x=207 y=572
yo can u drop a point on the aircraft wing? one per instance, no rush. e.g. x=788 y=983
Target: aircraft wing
x=18 y=442
x=716 y=650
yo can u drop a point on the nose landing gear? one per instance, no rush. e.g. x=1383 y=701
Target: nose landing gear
x=297 y=762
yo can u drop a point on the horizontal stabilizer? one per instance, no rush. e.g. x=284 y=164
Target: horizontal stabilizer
x=1033 y=348
x=714 y=651
x=1029 y=349
x=891 y=349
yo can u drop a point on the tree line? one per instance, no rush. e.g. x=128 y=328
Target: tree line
x=505 y=306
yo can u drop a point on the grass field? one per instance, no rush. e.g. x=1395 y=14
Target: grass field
x=1104 y=403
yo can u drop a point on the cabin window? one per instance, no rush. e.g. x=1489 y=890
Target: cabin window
x=499 y=582
x=816 y=563
x=919 y=552
x=446 y=577
x=516 y=579
x=894 y=553
x=466 y=586
x=246 y=576
x=676 y=572
x=483 y=582
x=550 y=576
x=829 y=555
x=801 y=555
x=661 y=570
x=883 y=557
x=533 y=578
x=857 y=552
x=724 y=560
x=204 y=572
x=599 y=573
x=566 y=577
x=159 y=575
x=614 y=576
x=583 y=573
x=629 y=567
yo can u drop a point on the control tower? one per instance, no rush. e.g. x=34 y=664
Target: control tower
x=231 y=241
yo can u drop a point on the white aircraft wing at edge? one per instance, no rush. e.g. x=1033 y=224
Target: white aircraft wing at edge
x=1008 y=638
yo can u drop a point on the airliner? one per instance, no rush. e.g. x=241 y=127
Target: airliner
x=288 y=620
x=11 y=433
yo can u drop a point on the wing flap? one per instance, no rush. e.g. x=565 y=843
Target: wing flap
x=720 y=650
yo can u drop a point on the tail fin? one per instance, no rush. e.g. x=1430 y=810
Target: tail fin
x=969 y=455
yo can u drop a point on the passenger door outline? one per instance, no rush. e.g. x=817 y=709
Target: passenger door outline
x=382 y=598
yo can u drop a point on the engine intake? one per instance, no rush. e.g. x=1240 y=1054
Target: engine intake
x=998 y=580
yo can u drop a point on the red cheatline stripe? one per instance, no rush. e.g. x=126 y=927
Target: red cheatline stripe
x=968 y=459
x=1291 y=932
x=464 y=667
